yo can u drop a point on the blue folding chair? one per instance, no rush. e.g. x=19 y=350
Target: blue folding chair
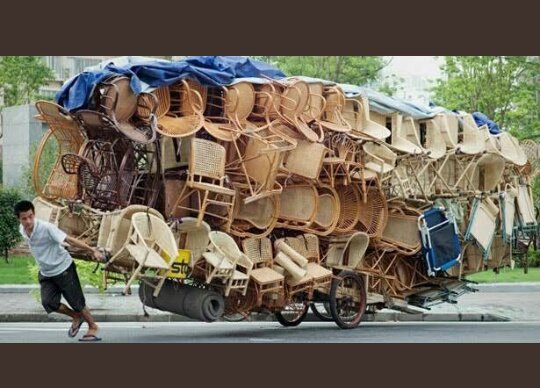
x=440 y=242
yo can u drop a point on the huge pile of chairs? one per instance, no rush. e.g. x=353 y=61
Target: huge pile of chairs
x=272 y=184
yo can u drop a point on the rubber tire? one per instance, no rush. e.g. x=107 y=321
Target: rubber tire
x=333 y=302
x=284 y=322
x=321 y=316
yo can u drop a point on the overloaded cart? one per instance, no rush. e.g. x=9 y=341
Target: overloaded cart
x=225 y=188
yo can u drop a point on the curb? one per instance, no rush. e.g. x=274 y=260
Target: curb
x=166 y=317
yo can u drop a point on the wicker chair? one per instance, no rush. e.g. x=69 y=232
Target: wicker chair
x=306 y=160
x=343 y=160
x=226 y=262
x=116 y=240
x=257 y=218
x=206 y=178
x=405 y=137
x=349 y=214
x=365 y=127
x=152 y=246
x=373 y=212
x=294 y=102
x=181 y=107
x=473 y=140
x=401 y=231
x=69 y=139
x=228 y=109
x=328 y=211
x=266 y=282
x=347 y=254
x=333 y=119
x=379 y=159
x=115 y=99
x=299 y=206
x=192 y=237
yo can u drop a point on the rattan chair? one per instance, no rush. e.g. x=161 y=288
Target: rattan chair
x=379 y=159
x=116 y=240
x=294 y=102
x=69 y=138
x=257 y=218
x=115 y=99
x=405 y=136
x=342 y=161
x=299 y=206
x=401 y=231
x=181 y=108
x=228 y=109
x=191 y=237
x=327 y=216
x=306 y=160
x=152 y=246
x=347 y=254
x=373 y=212
x=349 y=211
x=365 y=127
x=333 y=119
x=206 y=178
x=473 y=140
x=267 y=283
x=226 y=262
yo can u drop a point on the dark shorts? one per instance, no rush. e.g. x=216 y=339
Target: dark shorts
x=66 y=284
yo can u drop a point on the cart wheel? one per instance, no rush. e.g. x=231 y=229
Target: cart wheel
x=292 y=314
x=347 y=299
x=322 y=311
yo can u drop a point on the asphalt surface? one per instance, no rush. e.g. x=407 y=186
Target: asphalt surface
x=272 y=332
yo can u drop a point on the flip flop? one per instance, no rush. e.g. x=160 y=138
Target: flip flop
x=89 y=338
x=72 y=332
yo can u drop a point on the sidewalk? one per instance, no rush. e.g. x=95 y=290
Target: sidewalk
x=494 y=302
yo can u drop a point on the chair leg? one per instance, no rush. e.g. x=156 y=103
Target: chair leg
x=202 y=210
x=132 y=278
x=159 y=286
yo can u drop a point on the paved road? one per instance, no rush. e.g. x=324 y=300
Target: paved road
x=270 y=332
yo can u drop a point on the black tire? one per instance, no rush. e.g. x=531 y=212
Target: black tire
x=347 y=311
x=326 y=315
x=296 y=317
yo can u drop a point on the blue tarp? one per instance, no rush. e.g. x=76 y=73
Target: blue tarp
x=208 y=70
x=482 y=119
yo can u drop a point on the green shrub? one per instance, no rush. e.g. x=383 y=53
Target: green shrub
x=9 y=225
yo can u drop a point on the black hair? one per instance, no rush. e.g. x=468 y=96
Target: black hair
x=23 y=206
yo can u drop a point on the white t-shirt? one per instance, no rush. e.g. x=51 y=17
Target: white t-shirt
x=46 y=246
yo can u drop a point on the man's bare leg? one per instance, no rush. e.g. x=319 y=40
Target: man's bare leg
x=92 y=327
x=63 y=309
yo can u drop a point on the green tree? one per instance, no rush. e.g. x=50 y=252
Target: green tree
x=9 y=225
x=21 y=77
x=506 y=89
x=356 y=70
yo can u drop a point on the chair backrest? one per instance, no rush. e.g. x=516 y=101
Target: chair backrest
x=163 y=98
x=316 y=103
x=239 y=100
x=207 y=159
x=155 y=231
x=259 y=250
x=225 y=245
x=116 y=98
x=121 y=223
x=354 y=250
x=294 y=99
x=192 y=237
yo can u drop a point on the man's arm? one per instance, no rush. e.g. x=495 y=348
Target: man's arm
x=81 y=244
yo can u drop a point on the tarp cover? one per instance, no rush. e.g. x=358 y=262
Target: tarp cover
x=144 y=74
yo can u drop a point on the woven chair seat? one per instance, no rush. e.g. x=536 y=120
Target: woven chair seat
x=211 y=187
x=150 y=257
x=266 y=275
x=179 y=126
